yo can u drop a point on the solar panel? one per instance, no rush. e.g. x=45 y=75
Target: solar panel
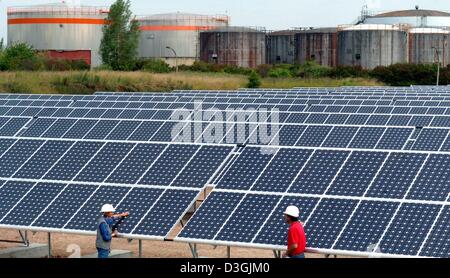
x=363 y=164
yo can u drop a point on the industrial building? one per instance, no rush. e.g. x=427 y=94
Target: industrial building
x=281 y=47
x=414 y=18
x=235 y=46
x=426 y=43
x=174 y=37
x=317 y=44
x=372 y=45
x=65 y=32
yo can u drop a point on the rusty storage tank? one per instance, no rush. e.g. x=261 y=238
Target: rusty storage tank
x=281 y=47
x=60 y=30
x=318 y=44
x=370 y=45
x=179 y=32
x=415 y=18
x=237 y=46
x=424 y=42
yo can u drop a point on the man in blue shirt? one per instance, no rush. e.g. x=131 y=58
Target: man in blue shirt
x=105 y=231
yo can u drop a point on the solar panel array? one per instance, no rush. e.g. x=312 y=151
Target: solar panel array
x=368 y=167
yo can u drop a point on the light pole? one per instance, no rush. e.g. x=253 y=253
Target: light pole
x=176 y=57
x=436 y=54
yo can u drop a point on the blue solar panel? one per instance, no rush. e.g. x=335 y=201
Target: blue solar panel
x=340 y=137
x=64 y=206
x=245 y=169
x=367 y=138
x=247 y=218
x=282 y=170
x=169 y=165
x=73 y=161
x=394 y=138
x=167 y=211
x=13 y=126
x=437 y=243
x=409 y=229
x=32 y=205
x=314 y=136
x=357 y=174
x=396 y=176
x=137 y=203
x=430 y=139
x=80 y=129
x=41 y=162
x=432 y=183
x=101 y=129
x=10 y=193
x=101 y=166
x=38 y=127
x=202 y=166
x=327 y=221
x=85 y=218
x=319 y=172
x=211 y=215
x=123 y=130
x=136 y=163
x=366 y=226
x=275 y=229
x=59 y=128
x=17 y=155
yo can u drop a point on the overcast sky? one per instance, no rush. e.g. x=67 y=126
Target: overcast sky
x=272 y=14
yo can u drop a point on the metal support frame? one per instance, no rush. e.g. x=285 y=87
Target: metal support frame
x=49 y=238
x=140 y=249
x=194 y=252
x=228 y=252
x=277 y=254
x=24 y=239
x=328 y=256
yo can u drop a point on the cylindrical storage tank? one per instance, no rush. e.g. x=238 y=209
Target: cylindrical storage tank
x=281 y=47
x=319 y=45
x=370 y=45
x=424 y=42
x=177 y=31
x=68 y=32
x=415 y=18
x=236 y=46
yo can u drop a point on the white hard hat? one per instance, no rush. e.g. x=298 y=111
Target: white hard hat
x=108 y=208
x=292 y=211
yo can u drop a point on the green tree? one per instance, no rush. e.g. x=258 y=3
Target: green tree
x=16 y=56
x=120 y=37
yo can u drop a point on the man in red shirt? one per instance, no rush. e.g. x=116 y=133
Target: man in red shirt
x=296 y=234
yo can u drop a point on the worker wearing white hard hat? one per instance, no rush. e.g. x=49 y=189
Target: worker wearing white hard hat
x=296 y=234
x=105 y=229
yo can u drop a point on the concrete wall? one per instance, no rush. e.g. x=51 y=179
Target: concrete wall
x=243 y=49
x=372 y=48
x=318 y=46
x=281 y=49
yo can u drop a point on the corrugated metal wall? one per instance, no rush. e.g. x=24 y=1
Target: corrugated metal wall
x=244 y=49
x=65 y=30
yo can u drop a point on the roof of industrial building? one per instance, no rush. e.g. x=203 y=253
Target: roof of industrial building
x=413 y=13
x=234 y=29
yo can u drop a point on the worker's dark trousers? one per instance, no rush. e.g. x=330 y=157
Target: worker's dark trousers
x=102 y=253
x=300 y=256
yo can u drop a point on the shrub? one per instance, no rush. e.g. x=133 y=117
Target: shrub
x=254 y=80
x=16 y=57
x=156 y=66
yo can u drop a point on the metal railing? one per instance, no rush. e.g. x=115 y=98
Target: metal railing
x=83 y=10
